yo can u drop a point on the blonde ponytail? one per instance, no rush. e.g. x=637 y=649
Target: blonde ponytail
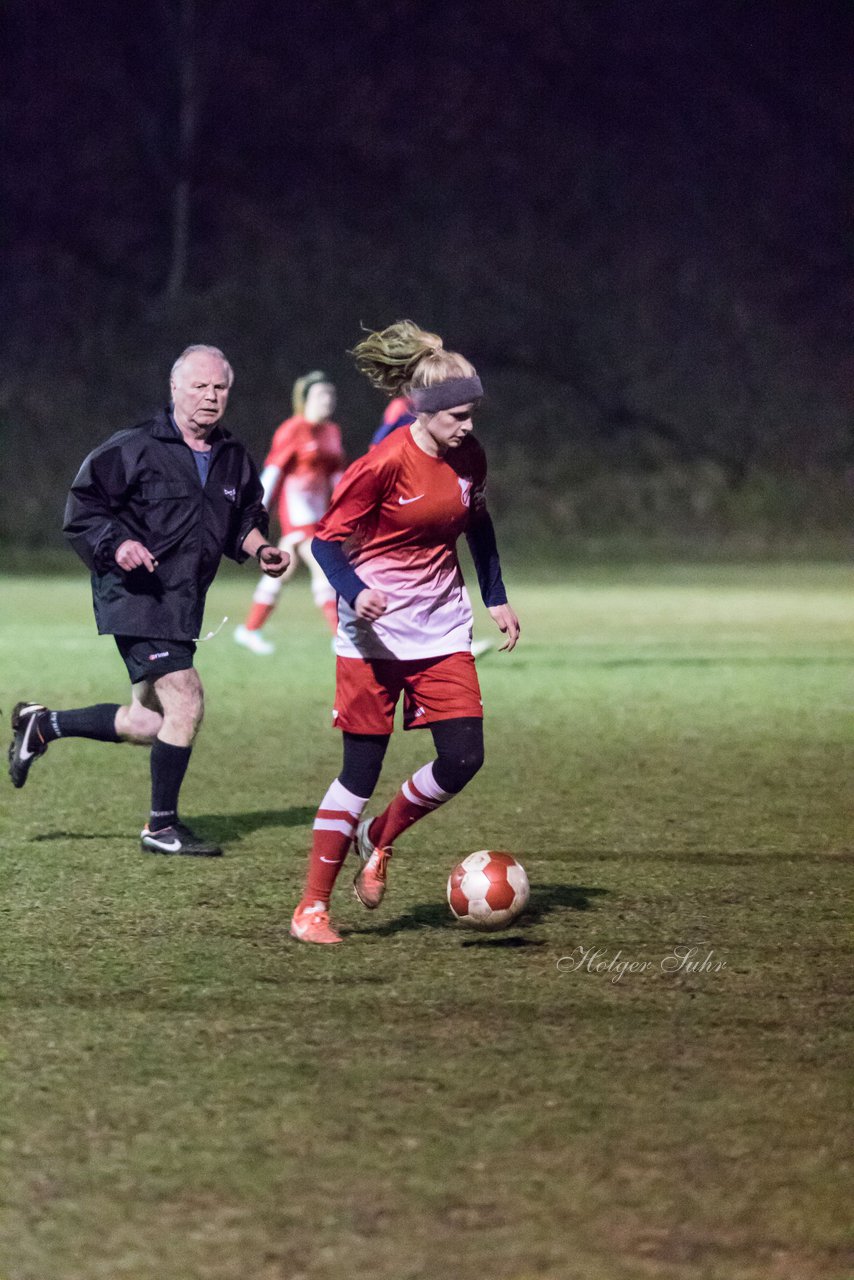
x=404 y=356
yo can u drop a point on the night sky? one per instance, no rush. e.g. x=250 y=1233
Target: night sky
x=638 y=208
x=665 y=113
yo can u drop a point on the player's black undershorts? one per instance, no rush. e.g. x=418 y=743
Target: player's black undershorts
x=151 y=659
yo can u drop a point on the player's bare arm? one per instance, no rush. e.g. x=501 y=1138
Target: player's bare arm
x=508 y=623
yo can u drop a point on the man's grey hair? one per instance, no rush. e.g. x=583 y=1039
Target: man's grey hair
x=211 y=351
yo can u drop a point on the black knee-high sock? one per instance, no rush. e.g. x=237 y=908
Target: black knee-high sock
x=168 y=766
x=98 y=722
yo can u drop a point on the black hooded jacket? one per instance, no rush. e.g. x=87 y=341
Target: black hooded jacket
x=143 y=484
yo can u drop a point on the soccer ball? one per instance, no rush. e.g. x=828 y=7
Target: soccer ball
x=487 y=890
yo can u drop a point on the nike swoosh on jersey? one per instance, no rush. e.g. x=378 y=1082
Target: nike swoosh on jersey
x=404 y=502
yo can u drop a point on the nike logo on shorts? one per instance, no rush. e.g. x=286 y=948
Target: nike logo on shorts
x=404 y=502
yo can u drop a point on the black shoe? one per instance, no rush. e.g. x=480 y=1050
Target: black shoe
x=178 y=839
x=26 y=745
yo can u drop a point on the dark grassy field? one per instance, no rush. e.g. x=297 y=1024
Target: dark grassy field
x=188 y=1094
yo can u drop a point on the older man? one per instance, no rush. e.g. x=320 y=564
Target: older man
x=151 y=513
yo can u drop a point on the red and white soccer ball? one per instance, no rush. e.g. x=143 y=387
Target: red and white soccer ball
x=488 y=890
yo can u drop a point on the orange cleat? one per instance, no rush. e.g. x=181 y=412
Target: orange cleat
x=311 y=924
x=370 y=882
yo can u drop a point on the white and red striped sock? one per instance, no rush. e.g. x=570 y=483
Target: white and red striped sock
x=418 y=796
x=334 y=828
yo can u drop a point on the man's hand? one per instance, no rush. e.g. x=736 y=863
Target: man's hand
x=507 y=622
x=133 y=555
x=370 y=604
x=273 y=561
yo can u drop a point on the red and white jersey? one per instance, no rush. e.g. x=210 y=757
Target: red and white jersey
x=399 y=513
x=309 y=456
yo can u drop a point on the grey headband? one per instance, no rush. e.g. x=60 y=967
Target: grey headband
x=445 y=395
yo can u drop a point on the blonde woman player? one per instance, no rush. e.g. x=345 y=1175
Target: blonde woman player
x=305 y=460
x=405 y=620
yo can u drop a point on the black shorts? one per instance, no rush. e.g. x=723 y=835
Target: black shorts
x=151 y=659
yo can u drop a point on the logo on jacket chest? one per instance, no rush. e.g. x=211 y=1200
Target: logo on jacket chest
x=230 y=493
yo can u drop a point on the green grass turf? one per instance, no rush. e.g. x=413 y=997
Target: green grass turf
x=187 y=1093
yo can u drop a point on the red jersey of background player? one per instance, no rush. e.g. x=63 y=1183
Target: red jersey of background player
x=400 y=512
x=309 y=456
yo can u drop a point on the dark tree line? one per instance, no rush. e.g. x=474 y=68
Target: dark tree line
x=634 y=217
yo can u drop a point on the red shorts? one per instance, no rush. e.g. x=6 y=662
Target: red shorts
x=367 y=690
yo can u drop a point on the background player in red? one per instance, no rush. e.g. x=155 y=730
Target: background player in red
x=405 y=619
x=305 y=460
x=398 y=413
